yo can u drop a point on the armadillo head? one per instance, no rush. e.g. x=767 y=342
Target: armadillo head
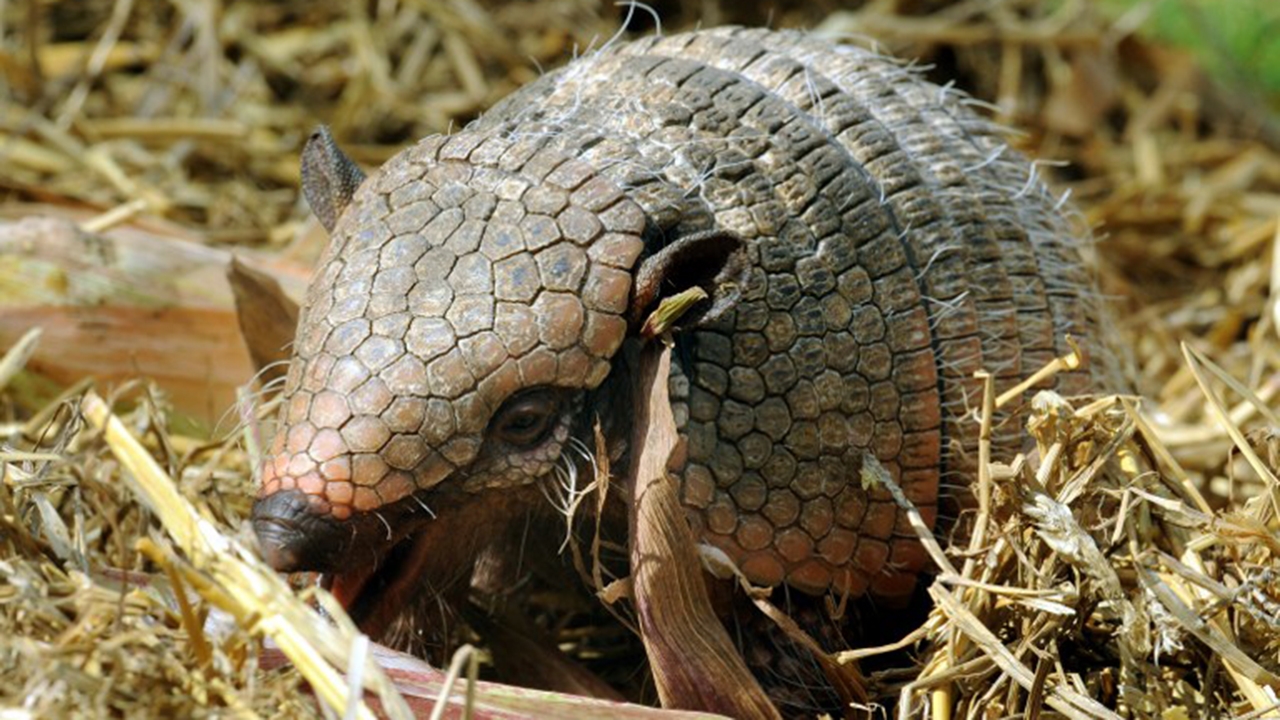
x=473 y=298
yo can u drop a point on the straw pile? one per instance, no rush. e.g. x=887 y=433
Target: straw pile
x=1127 y=569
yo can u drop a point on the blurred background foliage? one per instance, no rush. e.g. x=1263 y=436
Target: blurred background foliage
x=1237 y=41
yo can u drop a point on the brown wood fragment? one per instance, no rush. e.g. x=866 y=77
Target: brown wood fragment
x=133 y=302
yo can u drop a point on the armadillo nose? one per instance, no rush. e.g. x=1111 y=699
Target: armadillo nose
x=293 y=536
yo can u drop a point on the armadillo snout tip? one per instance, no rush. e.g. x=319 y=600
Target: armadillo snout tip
x=293 y=536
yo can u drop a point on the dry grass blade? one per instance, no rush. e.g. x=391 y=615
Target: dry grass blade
x=1098 y=510
x=114 y=216
x=17 y=356
x=1067 y=701
x=1197 y=364
x=463 y=656
x=162 y=133
x=1180 y=482
x=238 y=583
x=1247 y=673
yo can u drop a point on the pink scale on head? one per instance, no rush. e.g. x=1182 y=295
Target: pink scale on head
x=311 y=483
x=329 y=410
x=448 y=375
x=327 y=445
x=366 y=499
x=404 y=452
x=339 y=492
x=405 y=414
x=319 y=505
x=340 y=512
x=616 y=249
x=483 y=353
x=301 y=464
x=460 y=450
x=337 y=469
x=299 y=437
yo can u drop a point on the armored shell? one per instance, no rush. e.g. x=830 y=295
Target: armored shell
x=894 y=245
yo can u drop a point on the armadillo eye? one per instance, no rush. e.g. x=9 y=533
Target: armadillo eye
x=525 y=420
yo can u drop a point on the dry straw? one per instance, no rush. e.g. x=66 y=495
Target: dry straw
x=1124 y=567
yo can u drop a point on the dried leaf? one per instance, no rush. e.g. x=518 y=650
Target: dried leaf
x=268 y=318
x=695 y=663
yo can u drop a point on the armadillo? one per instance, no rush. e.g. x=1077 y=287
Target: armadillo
x=865 y=240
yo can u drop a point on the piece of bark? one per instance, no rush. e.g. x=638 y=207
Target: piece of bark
x=695 y=664
x=134 y=302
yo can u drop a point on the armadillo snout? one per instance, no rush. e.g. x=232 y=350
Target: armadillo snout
x=294 y=536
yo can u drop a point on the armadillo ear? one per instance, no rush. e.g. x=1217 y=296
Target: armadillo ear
x=714 y=260
x=329 y=177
